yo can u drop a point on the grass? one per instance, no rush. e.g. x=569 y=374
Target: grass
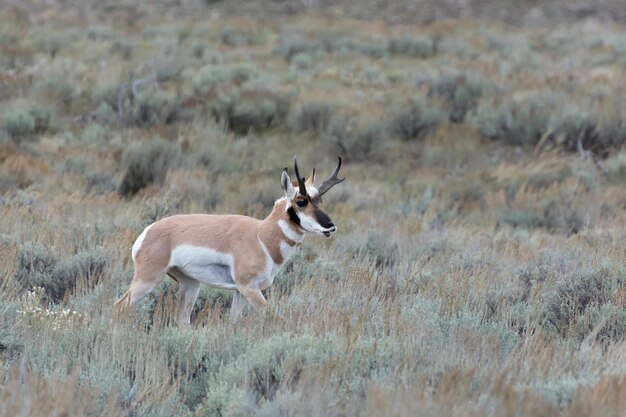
x=479 y=265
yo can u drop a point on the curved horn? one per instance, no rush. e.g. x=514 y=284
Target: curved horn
x=300 y=179
x=331 y=181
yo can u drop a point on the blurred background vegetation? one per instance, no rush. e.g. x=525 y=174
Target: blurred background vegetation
x=479 y=263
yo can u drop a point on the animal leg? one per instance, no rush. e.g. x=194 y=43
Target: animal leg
x=254 y=297
x=144 y=281
x=188 y=290
x=239 y=302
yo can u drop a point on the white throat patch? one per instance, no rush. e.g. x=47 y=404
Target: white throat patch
x=289 y=232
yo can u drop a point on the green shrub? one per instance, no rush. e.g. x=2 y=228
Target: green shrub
x=99 y=33
x=312 y=117
x=572 y=297
x=607 y=320
x=25 y=121
x=374 y=49
x=338 y=43
x=100 y=183
x=358 y=141
x=35 y=266
x=274 y=364
x=152 y=107
x=238 y=37
x=42 y=117
x=169 y=70
x=415 y=120
x=574 y=126
x=198 y=50
x=57 y=88
x=522 y=120
x=522 y=217
x=52 y=43
x=107 y=93
x=292 y=45
x=557 y=214
x=252 y=109
x=124 y=48
x=39 y=267
x=414 y=47
x=210 y=78
x=146 y=163
x=18 y=123
x=303 y=60
x=461 y=93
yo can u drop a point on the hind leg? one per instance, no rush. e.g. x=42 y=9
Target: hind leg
x=188 y=289
x=144 y=280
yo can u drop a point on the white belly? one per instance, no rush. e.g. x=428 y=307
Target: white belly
x=205 y=265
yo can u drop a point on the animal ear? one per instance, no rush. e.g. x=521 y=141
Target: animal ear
x=286 y=185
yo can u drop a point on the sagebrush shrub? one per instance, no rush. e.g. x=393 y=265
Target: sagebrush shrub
x=414 y=47
x=42 y=117
x=211 y=78
x=291 y=45
x=357 y=140
x=573 y=296
x=27 y=120
x=415 y=120
x=275 y=363
x=259 y=110
x=374 y=49
x=152 y=107
x=461 y=93
x=146 y=163
x=18 y=123
x=574 y=127
x=56 y=88
x=38 y=266
x=237 y=37
x=312 y=117
x=520 y=120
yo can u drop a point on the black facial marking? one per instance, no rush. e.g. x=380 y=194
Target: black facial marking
x=322 y=218
x=293 y=216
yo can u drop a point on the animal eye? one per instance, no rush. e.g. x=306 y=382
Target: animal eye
x=301 y=203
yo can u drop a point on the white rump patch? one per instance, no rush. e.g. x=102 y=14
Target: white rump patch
x=139 y=241
x=206 y=265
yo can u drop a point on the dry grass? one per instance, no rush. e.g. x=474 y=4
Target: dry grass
x=479 y=265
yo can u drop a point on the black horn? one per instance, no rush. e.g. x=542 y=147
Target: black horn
x=300 y=179
x=331 y=181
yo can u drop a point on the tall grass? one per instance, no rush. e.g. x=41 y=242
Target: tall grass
x=478 y=268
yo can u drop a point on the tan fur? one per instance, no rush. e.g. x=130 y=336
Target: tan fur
x=243 y=242
x=232 y=234
x=217 y=232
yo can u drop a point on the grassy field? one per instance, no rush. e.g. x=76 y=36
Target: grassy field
x=479 y=268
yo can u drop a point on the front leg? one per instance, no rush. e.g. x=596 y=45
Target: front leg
x=239 y=303
x=254 y=297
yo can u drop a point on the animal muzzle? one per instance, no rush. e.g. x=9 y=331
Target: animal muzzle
x=325 y=221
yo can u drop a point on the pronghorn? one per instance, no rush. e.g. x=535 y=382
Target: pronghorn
x=228 y=251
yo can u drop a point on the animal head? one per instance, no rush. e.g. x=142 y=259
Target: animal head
x=304 y=199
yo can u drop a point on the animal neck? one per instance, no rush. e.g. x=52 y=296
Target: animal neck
x=279 y=233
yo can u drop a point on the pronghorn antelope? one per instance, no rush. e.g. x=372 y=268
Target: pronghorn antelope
x=228 y=251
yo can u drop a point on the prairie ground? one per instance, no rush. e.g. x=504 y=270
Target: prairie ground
x=479 y=267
